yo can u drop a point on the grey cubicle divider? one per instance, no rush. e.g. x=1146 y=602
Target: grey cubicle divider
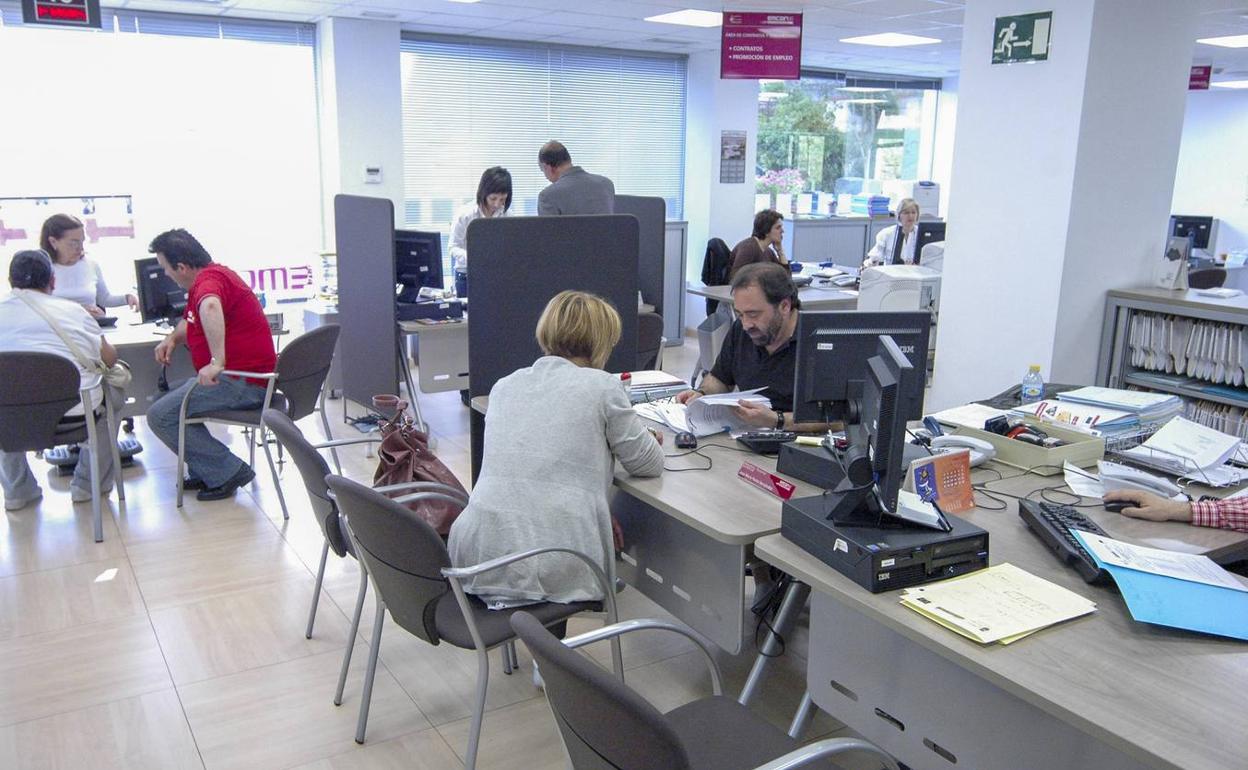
x=364 y=241
x=651 y=216
x=518 y=265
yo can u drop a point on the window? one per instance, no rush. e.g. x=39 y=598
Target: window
x=206 y=123
x=838 y=133
x=472 y=104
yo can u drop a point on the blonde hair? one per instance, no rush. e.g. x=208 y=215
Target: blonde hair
x=908 y=203
x=579 y=325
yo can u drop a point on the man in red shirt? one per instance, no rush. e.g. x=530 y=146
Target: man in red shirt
x=224 y=327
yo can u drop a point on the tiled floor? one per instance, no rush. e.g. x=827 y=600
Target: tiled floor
x=178 y=642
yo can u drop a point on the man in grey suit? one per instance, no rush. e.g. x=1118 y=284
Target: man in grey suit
x=572 y=190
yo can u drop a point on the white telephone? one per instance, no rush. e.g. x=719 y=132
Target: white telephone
x=1116 y=476
x=981 y=451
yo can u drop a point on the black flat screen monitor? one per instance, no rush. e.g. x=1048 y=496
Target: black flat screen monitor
x=1196 y=228
x=160 y=299
x=417 y=262
x=833 y=347
x=928 y=232
x=891 y=379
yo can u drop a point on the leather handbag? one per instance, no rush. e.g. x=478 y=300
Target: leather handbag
x=404 y=456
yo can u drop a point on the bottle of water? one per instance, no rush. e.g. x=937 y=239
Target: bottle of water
x=1033 y=385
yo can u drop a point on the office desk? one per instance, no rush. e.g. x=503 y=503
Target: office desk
x=813 y=297
x=136 y=345
x=1101 y=691
x=443 y=354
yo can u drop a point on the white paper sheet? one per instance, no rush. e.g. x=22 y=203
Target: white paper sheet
x=1184 y=566
x=1202 y=447
x=1081 y=482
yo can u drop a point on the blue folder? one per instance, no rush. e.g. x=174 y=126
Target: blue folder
x=1168 y=601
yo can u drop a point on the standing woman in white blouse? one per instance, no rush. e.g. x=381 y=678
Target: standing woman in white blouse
x=896 y=245
x=493 y=200
x=77 y=278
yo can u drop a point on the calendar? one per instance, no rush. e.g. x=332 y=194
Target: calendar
x=945 y=478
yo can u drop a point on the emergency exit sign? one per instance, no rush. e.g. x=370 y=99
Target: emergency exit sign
x=62 y=13
x=1021 y=38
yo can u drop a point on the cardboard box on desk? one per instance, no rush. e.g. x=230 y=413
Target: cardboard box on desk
x=1081 y=449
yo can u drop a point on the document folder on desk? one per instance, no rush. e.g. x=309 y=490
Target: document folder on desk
x=1169 y=601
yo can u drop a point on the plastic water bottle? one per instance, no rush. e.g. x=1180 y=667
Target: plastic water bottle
x=1033 y=385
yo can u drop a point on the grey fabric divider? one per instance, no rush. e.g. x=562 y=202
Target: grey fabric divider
x=519 y=263
x=651 y=216
x=364 y=241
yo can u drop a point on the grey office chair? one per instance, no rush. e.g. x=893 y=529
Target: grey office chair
x=1206 y=278
x=411 y=573
x=36 y=391
x=295 y=388
x=606 y=725
x=649 y=341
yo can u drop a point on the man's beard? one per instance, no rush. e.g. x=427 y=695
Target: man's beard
x=763 y=338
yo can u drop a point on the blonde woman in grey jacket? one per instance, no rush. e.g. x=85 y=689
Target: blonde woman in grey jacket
x=552 y=435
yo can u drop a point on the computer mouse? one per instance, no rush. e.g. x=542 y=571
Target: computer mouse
x=1116 y=506
x=686 y=440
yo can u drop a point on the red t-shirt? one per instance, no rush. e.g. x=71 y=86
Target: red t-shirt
x=248 y=340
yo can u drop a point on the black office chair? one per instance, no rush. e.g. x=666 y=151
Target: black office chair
x=605 y=724
x=1207 y=278
x=715 y=266
x=36 y=391
x=411 y=572
x=649 y=341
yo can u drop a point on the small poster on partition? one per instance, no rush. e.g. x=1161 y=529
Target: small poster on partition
x=1172 y=272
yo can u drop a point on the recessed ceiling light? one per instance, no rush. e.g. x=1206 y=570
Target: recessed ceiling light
x=1226 y=41
x=1230 y=84
x=465 y=1
x=379 y=15
x=864 y=101
x=890 y=39
x=861 y=89
x=690 y=18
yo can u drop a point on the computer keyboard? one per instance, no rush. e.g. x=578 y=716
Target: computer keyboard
x=1053 y=523
x=766 y=442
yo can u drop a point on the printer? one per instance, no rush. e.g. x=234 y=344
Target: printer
x=898 y=287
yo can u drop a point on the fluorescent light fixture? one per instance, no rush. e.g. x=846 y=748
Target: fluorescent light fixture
x=890 y=40
x=465 y=1
x=690 y=18
x=1230 y=84
x=1226 y=41
x=864 y=101
x=861 y=89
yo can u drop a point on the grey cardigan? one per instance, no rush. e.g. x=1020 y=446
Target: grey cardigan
x=552 y=435
x=577 y=192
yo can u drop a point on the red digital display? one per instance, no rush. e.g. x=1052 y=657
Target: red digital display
x=66 y=13
x=62 y=13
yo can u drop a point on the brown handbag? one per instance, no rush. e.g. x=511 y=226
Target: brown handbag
x=404 y=456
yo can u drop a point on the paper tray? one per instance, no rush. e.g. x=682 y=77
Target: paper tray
x=1082 y=450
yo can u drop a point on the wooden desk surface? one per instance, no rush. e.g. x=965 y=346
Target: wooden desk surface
x=1169 y=697
x=813 y=297
x=416 y=327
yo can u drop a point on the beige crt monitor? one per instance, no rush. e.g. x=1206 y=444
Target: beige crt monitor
x=898 y=287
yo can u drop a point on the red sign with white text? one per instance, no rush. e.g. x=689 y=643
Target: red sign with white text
x=761 y=45
x=768 y=482
x=1198 y=80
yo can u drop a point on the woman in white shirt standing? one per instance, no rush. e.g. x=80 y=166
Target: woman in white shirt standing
x=78 y=279
x=493 y=200
x=887 y=249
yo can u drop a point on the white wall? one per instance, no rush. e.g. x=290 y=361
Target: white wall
x=361 y=111
x=942 y=150
x=1212 y=177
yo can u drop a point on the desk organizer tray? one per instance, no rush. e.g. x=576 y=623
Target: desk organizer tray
x=1081 y=449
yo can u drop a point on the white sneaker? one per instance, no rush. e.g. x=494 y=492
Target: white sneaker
x=16 y=504
x=80 y=495
x=537 y=678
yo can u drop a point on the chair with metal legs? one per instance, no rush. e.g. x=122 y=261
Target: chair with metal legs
x=295 y=387
x=36 y=391
x=411 y=572
x=605 y=724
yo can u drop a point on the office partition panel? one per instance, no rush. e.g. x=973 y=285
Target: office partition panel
x=364 y=241
x=651 y=216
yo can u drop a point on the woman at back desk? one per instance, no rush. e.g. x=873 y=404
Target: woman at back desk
x=896 y=245
x=764 y=245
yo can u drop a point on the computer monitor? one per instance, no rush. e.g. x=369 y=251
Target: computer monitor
x=891 y=378
x=1199 y=229
x=417 y=262
x=833 y=347
x=927 y=232
x=160 y=299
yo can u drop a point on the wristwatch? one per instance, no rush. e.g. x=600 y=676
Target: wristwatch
x=779 y=420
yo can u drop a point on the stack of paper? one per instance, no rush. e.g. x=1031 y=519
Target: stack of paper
x=1173 y=589
x=704 y=416
x=968 y=416
x=653 y=385
x=999 y=604
x=1193 y=451
x=869 y=205
x=1097 y=420
x=1148 y=407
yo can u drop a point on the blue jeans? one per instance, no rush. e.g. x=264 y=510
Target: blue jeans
x=19 y=483
x=206 y=458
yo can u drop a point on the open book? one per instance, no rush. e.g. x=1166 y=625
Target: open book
x=704 y=416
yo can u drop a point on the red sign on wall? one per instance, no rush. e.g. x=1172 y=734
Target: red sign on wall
x=62 y=13
x=1198 y=80
x=761 y=45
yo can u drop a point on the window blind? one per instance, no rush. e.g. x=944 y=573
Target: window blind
x=470 y=104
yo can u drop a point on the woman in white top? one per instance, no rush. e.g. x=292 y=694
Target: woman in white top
x=552 y=435
x=886 y=251
x=493 y=200
x=78 y=279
